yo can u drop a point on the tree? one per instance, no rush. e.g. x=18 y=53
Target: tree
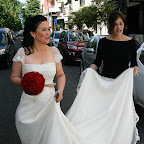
x=89 y=15
x=105 y=7
x=78 y=19
x=9 y=14
x=95 y=14
x=31 y=8
x=70 y=22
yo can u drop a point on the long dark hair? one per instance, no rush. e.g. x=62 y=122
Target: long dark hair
x=112 y=18
x=31 y=24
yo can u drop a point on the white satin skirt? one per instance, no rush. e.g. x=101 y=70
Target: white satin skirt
x=102 y=113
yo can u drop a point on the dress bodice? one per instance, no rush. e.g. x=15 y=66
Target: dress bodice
x=48 y=70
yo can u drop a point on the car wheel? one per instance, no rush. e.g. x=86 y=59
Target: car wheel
x=81 y=67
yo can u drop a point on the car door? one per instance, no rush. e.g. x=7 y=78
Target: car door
x=90 y=52
x=139 y=81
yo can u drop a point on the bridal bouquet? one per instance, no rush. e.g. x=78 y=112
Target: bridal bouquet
x=32 y=83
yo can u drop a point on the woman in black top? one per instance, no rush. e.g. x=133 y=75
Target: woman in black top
x=117 y=51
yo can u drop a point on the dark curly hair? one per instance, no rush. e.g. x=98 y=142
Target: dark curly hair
x=112 y=18
x=31 y=24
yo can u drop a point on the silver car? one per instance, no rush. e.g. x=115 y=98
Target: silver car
x=139 y=78
x=89 y=54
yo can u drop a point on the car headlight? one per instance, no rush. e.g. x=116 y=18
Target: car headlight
x=2 y=51
x=72 y=47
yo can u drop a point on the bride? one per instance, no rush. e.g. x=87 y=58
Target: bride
x=102 y=113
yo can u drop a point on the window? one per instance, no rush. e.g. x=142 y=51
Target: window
x=64 y=36
x=57 y=35
x=82 y=2
x=88 y=45
x=3 y=39
x=142 y=56
x=94 y=44
x=73 y=36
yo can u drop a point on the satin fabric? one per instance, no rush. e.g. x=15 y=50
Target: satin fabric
x=102 y=113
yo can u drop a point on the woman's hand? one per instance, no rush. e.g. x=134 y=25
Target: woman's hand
x=58 y=96
x=93 y=66
x=135 y=70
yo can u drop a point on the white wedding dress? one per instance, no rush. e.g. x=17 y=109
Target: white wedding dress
x=102 y=113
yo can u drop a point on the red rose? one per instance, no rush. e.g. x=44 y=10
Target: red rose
x=32 y=83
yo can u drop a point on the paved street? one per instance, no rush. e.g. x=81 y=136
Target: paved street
x=10 y=96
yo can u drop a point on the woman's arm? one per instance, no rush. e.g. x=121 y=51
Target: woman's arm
x=60 y=81
x=16 y=73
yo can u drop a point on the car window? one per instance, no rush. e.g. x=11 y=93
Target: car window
x=57 y=35
x=64 y=36
x=94 y=44
x=80 y=37
x=3 y=39
x=142 y=56
x=73 y=36
x=88 y=44
x=86 y=36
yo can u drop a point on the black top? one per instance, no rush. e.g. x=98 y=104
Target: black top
x=116 y=56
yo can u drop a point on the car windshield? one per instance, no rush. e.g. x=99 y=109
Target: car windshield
x=57 y=35
x=142 y=57
x=84 y=36
x=80 y=36
x=2 y=39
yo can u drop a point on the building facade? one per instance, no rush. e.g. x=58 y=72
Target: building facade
x=61 y=9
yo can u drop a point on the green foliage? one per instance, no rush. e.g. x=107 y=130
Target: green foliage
x=58 y=27
x=78 y=19
x=70 y=22
x=31 y=8
x=95 y=14
x=9 y=14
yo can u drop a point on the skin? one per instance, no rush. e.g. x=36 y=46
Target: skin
x=42 y=54
x=117 y=35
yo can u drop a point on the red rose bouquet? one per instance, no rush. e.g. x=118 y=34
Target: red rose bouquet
x=32 y=83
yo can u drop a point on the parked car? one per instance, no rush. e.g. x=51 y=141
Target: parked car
x=90 y=51
x=55 y=38
x=20 y=33
x=7 y=46
x=71 y=44
x=139 y=78
x=89 y=54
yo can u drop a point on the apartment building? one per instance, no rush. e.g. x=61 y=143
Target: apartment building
x=59 y=10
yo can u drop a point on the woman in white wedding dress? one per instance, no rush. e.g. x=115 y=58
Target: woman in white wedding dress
x=102 y=113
